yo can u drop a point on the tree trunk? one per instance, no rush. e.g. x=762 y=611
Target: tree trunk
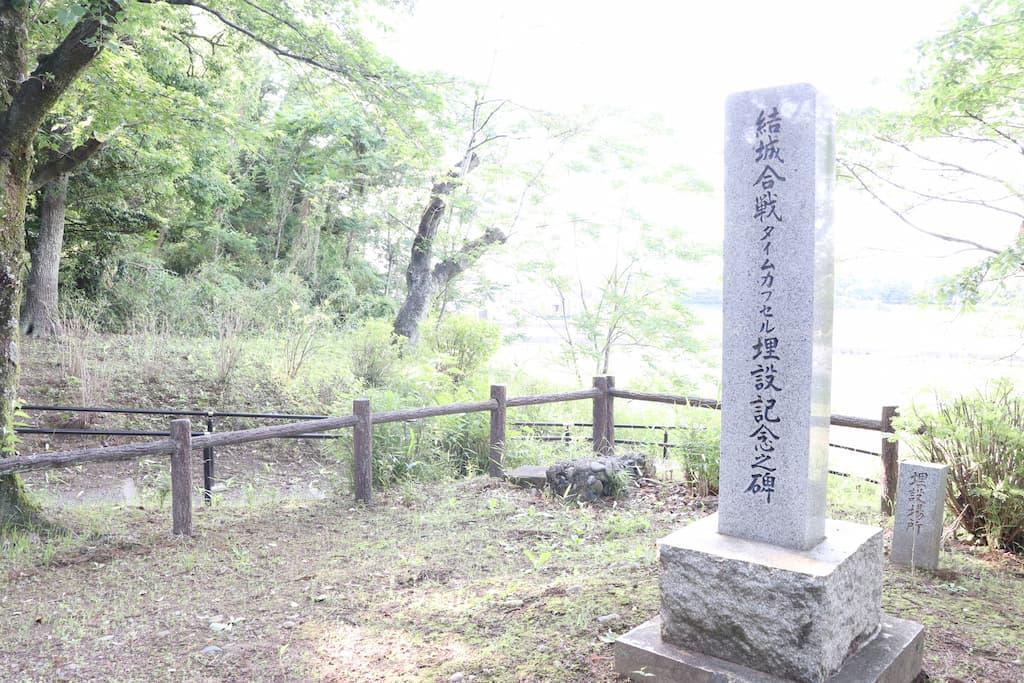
x=15 y=508
x=420 y=280
x=24 y=103
x=306 y=246
x=15 y=162
x=39 y=315
x=40 y=312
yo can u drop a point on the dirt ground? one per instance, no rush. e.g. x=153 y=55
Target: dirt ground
x=287 y=580
x=471 y=580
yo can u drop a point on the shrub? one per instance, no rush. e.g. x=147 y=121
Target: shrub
x=981 y=438
x=700 y=450
x=281 y=300
x=141 y=295
x=464 y=344
x=304 y=335
x=428 y=449
x=464 y=441
x=374 y=352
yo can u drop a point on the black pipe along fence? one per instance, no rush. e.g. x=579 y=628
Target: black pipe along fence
x=182 y=440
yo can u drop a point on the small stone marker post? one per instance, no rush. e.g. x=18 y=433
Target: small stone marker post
x=768 y=589
x=917 y=529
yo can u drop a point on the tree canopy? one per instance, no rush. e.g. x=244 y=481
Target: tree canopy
x=960 y=145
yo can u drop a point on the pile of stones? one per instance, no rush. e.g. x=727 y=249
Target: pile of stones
x=588 y=479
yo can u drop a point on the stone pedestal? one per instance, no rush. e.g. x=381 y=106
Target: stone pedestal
x=769 y=613
x=893 y=656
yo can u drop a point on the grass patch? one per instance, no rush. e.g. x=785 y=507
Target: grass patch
x=472 y=577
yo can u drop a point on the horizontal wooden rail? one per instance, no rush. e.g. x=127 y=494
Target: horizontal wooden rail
x=520 y=401
x=273 y=432
x=433 y=411
x=46 y=461
x=694 y=401
x=857 y=422
x=42 y=461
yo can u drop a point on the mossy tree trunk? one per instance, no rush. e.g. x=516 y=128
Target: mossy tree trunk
x=26 y=100
x=15 y=165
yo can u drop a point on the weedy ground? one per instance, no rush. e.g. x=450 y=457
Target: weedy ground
x=432 y=580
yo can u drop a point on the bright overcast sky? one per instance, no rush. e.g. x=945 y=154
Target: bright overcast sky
x=679 y=60
x=672 y=57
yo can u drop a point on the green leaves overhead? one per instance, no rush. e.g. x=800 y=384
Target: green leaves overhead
x=972 y=75
x=958 y=146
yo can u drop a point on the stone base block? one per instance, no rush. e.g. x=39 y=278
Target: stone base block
x=798 y=614
x=529 y=476
x=892 y=656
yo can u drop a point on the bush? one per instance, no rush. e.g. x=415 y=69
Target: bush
x=981 y=438
x=374 y=352
x=463 y=344
x=142 y=295
x=428 y=449
x=465 y=441
x=700 y=450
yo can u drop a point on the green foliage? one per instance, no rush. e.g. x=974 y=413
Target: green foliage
x=434 y=448
x=981 y=438
x=272 y=169
x=634 y=302
x=993 y=279
x=142 y=295
x=970 y=74
x=374 y=353
x=957 y=146
x=463 y=344
x=395 y=378
x=700 y=450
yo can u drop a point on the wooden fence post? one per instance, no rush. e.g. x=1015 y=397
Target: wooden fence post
x=181 y=477
x=496 y=451
x=604 y=420
x=610 y=412
x=890 y=461
x=362 y=450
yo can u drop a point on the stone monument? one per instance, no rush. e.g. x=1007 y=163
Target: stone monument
x=920 y=500
x=768 y=589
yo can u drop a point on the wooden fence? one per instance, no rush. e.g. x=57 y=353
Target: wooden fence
x=603 y=394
